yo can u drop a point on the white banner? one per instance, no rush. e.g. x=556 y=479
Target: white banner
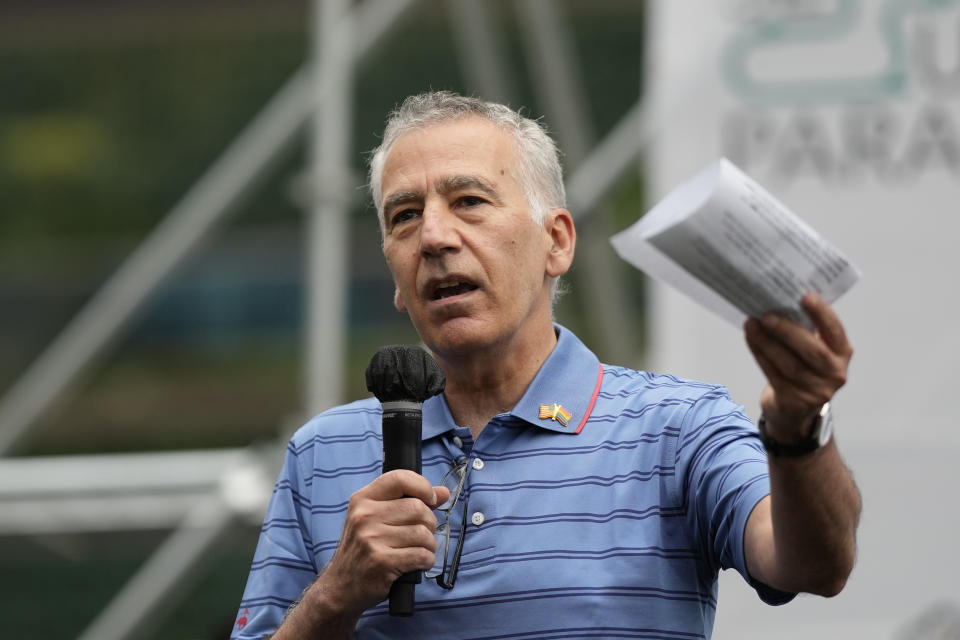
x=849 y=112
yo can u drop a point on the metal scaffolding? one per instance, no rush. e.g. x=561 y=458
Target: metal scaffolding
x=200 y=495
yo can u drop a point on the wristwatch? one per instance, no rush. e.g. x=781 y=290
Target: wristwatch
x=819 y=436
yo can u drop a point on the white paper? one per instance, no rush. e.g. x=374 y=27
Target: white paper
x=726 y=242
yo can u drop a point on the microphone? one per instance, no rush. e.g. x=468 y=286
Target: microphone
x=401 y=378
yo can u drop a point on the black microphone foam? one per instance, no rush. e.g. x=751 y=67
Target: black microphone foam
x=402 y=378
x=400 y=372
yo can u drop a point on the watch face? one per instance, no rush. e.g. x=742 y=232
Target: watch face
x=825 y=428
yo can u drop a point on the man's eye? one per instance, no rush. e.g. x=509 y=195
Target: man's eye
x=470 y=201
x=403 y=216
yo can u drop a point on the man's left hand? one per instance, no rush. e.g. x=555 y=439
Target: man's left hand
x=803 y=368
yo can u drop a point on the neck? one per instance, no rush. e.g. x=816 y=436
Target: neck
x=485 y=384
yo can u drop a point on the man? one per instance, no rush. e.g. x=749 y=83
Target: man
x=588 y=500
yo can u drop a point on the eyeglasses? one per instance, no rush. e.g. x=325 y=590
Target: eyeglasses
x=454 y=479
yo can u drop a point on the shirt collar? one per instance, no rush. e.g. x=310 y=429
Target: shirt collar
x=566 y=385
x=437 y=418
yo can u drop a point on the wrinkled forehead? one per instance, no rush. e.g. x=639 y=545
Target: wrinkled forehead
x=467 y=146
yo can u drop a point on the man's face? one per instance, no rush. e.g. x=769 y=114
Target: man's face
x=470 y=265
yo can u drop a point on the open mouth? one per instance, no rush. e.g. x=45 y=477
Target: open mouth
x=452 y=288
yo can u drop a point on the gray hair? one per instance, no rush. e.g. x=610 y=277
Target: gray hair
x=538 y=166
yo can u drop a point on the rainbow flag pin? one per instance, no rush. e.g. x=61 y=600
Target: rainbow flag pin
x=555 y=412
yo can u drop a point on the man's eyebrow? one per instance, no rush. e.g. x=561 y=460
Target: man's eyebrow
x=450 y=184
x=398 y=198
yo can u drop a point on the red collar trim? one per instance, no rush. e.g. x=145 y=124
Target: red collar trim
x=593 y=400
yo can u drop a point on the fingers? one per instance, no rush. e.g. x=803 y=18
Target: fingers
x=401 y=483
x=376 y=505
x=380 y=530
x=793 y=393
x=388 y=530
x=788 y=338
x=827 y=323
x=404 y=512
x=804 y=368
x=824 y=352
x=794 y=355
x=393 y=525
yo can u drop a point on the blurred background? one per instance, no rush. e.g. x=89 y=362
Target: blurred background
x=190 y=266
x=161 y=182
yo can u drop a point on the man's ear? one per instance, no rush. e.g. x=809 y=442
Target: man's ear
x=398 y=300
x=563 y=240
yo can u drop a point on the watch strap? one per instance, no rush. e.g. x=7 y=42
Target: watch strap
x=809 y=444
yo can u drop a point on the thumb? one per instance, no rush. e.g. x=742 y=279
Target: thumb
x=440 y=495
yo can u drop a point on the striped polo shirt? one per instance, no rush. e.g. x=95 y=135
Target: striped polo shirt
x=602 y=506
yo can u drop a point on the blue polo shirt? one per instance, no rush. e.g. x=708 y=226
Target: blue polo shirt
x=603 y=505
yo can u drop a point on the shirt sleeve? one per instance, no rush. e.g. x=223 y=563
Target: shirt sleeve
x=283 y=564
x=723 y=467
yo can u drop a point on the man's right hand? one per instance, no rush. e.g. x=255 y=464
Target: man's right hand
x=388 y=531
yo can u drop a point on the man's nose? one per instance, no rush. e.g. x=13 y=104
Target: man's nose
x=439 y=231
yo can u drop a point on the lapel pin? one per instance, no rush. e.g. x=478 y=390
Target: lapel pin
x=555 y=412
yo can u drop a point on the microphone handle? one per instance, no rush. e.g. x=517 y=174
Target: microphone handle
x=402 y=438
